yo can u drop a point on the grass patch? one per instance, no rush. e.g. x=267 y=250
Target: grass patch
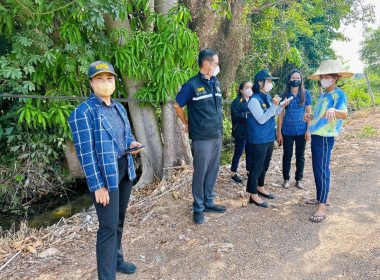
x=367 y=131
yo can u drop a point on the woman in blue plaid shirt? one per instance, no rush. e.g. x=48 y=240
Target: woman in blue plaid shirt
x=102 y=134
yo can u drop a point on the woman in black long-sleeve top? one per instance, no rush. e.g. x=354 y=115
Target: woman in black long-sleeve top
x=239 y=111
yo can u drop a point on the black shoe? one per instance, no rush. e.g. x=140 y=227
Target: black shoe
x=126 y=268
x=299 y=185
x=270 y=196
x=216 y=208
x=199 y=218
x=264 y=204
x=237 y=179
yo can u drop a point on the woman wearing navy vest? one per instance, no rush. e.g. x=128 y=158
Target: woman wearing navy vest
x=261 y=134
x=292 y=128
x=239 y=113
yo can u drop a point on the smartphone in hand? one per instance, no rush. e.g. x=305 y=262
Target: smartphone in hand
x=286 y=100
x=134 y=149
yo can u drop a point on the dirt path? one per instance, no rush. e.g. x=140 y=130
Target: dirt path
x=249 y=242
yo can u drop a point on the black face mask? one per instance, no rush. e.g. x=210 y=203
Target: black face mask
x=295 y=83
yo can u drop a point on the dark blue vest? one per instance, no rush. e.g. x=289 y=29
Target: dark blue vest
x=261 y=133
x=205 y=111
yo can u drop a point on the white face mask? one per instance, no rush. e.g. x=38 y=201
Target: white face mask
x=268 y=87
x=104 y=89
x=325 y=83
x=214 y=70
x=248 y=92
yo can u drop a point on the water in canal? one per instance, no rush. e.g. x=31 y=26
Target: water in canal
x=51 y=209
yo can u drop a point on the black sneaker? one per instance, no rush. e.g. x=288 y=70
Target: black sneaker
x=216 y=208
x=126 y=268
x=237 y=179
x=198 y=218
x=299 y=185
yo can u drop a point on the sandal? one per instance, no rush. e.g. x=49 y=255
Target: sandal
x=314 y=218
x=314 y=201
x=285 y=184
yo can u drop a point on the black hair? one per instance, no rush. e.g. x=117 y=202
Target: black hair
x=335 y=76
x=206 y=54
x=256 y=87
x=241 y=87
x=287 y=88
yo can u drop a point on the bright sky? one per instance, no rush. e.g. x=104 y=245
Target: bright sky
x=349 y=51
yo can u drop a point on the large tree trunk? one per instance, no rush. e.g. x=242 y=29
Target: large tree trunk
x=235 y=35
x=176 y=143
x=73 y=164
x=144 y=119
x=227 y=37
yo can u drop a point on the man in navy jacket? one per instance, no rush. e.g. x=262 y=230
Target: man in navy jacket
x=203 y=97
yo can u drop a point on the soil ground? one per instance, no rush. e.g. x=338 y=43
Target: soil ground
x=247 y=242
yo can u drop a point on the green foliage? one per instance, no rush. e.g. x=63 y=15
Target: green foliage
x=227 y=124
x=51 y=52
x=223 y=7
x=33 y=114
x=31 y=164
x=357 y=93
x=35 y=147
x=163 y=57
x=227 y=129
x=297 y=34
x=370 y=51
x=46 y=49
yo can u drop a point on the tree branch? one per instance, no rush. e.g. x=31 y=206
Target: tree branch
x=267 y=5
x=45 y=13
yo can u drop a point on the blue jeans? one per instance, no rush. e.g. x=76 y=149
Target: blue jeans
x=109 y=252
x=240 y=144
x=321 y=153
x=206 y=161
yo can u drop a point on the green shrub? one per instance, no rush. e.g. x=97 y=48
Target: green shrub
x=357 y=93
x=30 y=162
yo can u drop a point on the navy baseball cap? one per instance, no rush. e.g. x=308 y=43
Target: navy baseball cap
x=100 y=67
x=264 y=74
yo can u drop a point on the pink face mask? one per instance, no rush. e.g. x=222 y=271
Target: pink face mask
x=268 y=87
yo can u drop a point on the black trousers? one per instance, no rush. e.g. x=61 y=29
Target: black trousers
x=288 y=142
x=261 y=156
x=109 y=253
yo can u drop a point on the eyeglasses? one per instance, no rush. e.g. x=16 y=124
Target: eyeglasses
x=215 y=63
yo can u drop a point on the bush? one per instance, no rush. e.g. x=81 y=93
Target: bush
x=31 y=162
x=357 y=92
x=227 y=123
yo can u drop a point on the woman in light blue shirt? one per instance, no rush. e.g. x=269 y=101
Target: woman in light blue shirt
x=326 y=123
x=292 y=128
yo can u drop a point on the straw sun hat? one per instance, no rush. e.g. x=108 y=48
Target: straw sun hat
x=331 y=67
